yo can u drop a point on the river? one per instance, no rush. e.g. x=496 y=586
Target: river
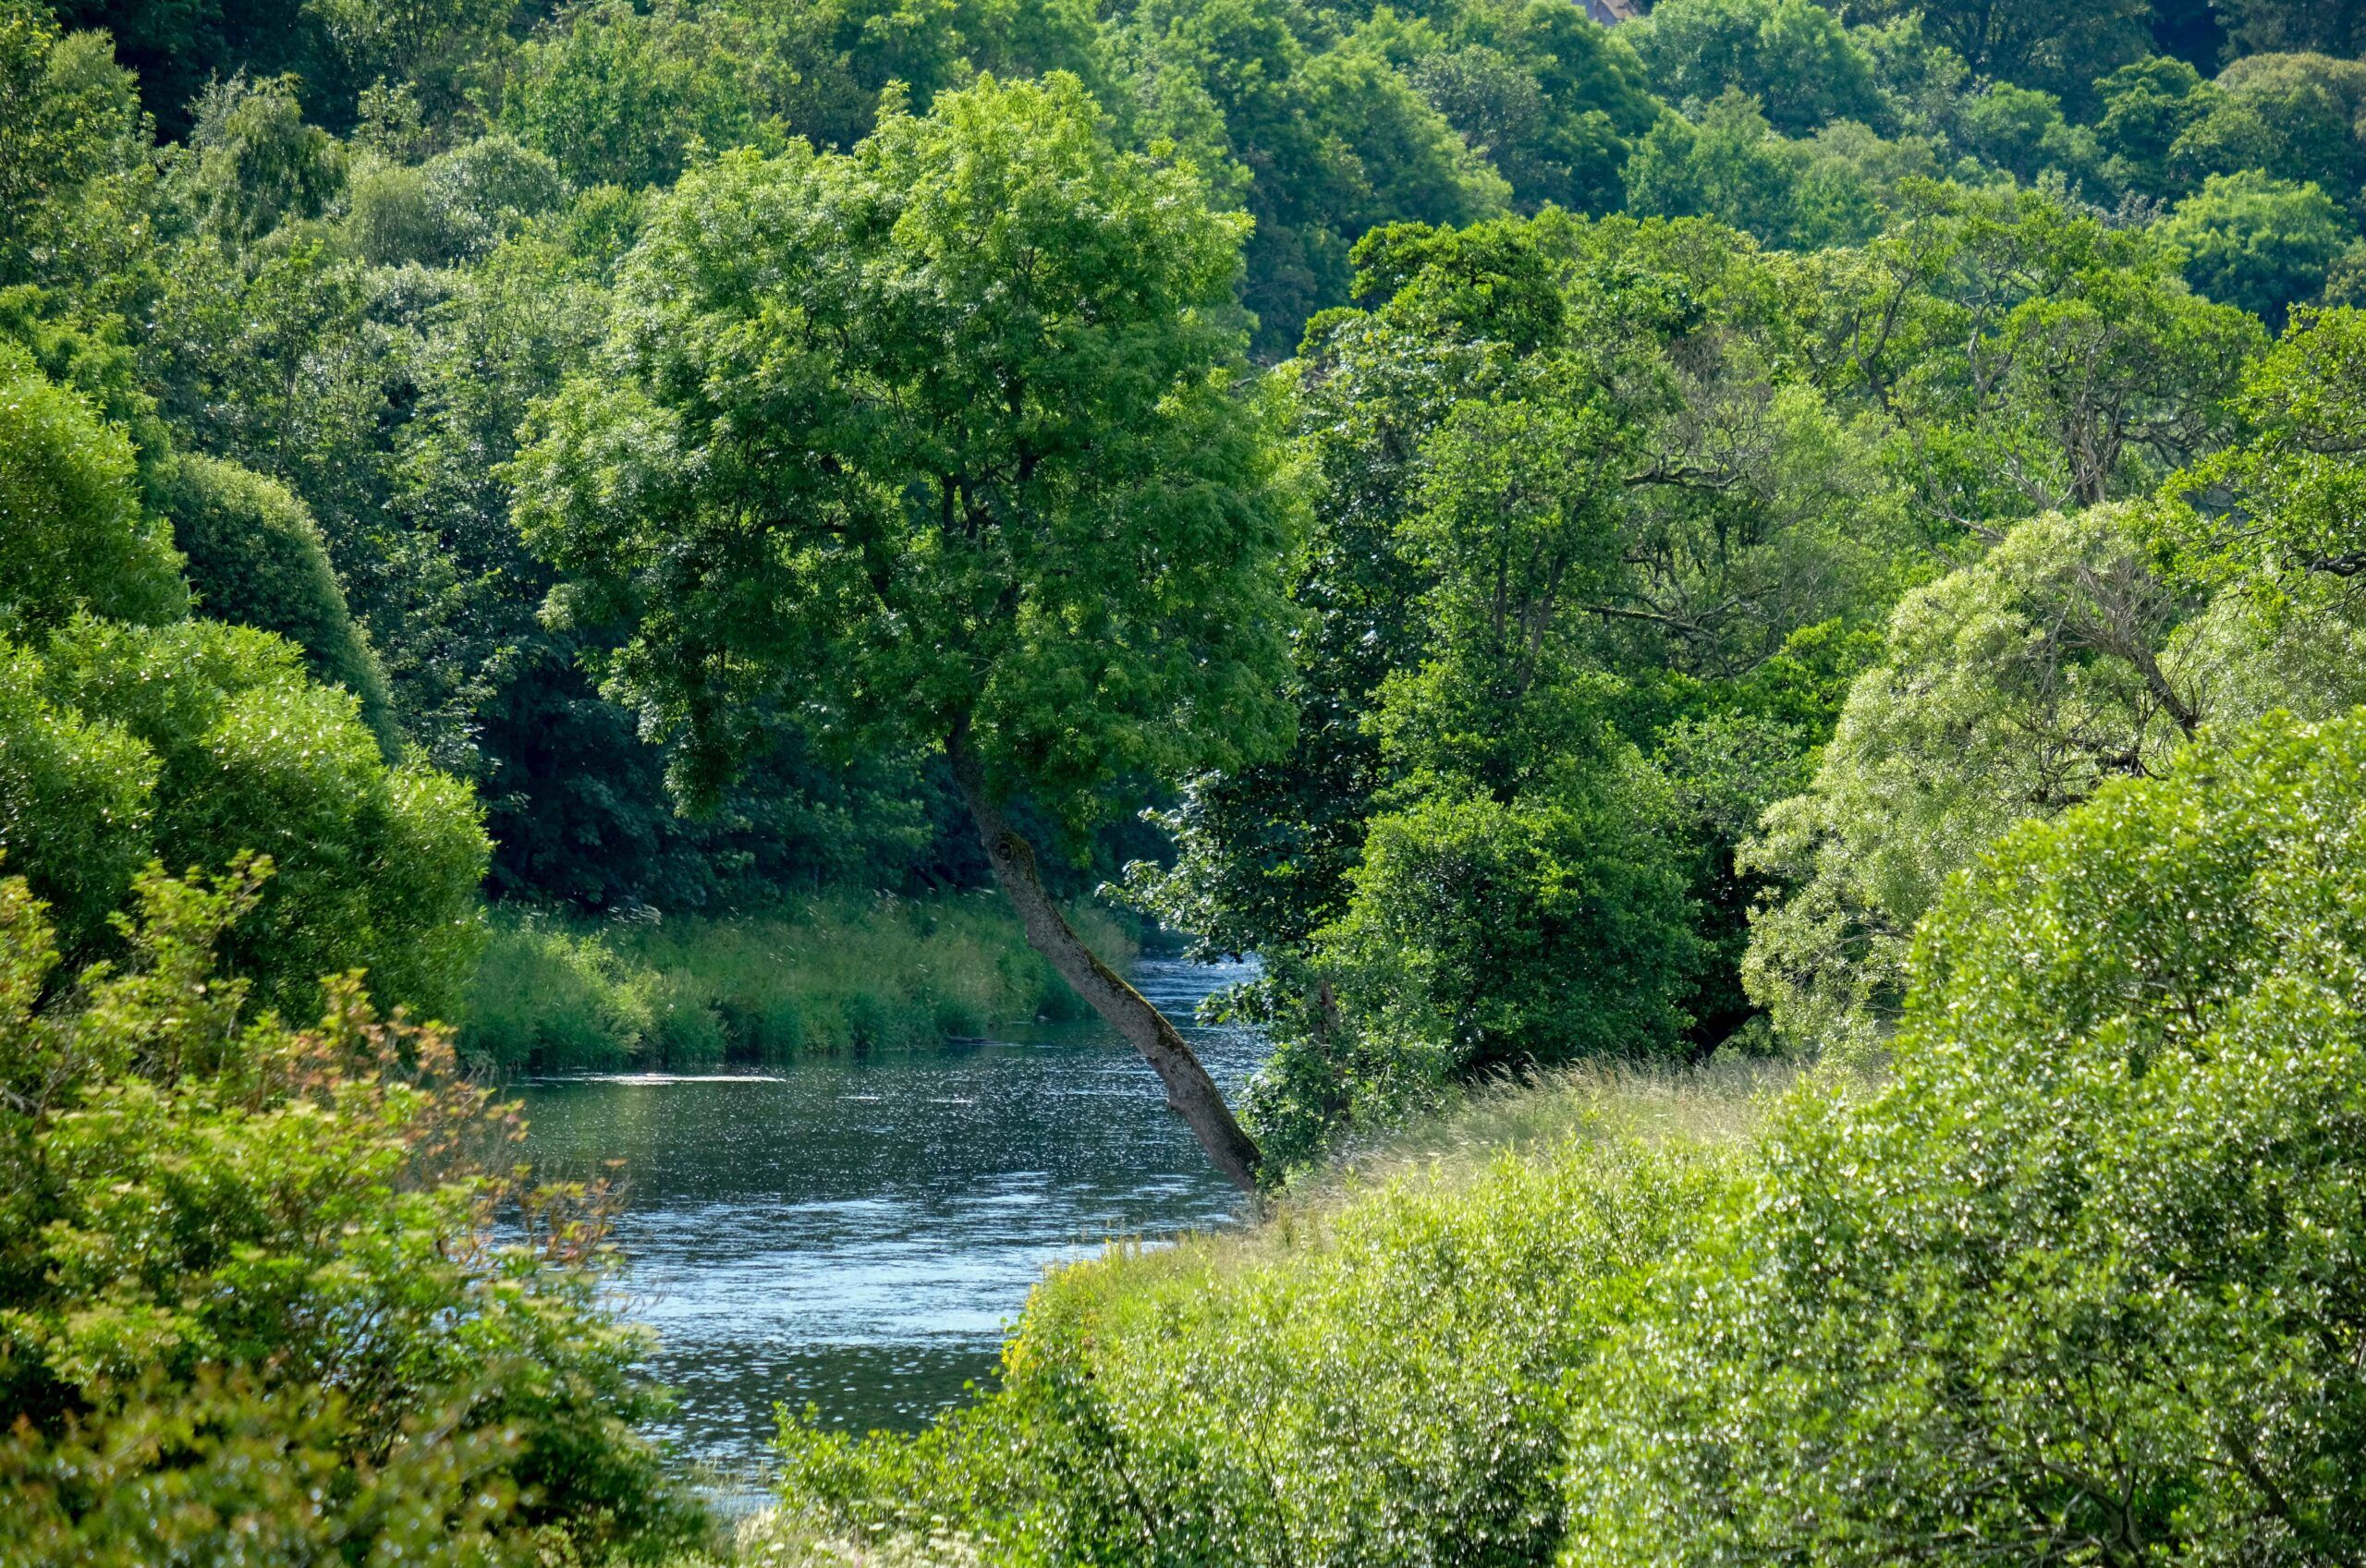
x=855 y=1232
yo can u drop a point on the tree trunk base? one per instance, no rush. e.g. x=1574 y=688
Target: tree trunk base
x=1190 y=1093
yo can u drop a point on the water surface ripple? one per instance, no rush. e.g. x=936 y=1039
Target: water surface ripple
x=856 y=1232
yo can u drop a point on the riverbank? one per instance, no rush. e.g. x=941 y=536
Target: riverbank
x=838 y=972
x=1382 y=1371
x=856 y=1230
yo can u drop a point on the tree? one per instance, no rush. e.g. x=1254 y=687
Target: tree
x=2015 y=687
x=255 y=162
x=378 y=864
x=2293 y=498
x=2023 y=133
x=2024 y=357
x=1323 y=137
x=2148 y=106
x=442 y=47
x=2060 y=49
x=2292 y=116
x=935 y=443
x=1830 y=190
x=76 y=800
x=619 y=95
x=1794 y=56
x=2262 y=243
x=2325 y=27
x=75 y=170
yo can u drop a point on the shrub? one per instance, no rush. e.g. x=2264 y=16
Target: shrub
x=556 y=1001
x=378 y=865
x=73 y=537
x=253 y=1306
x=2088 y=1275
x=1509 y=935
x=255 y=556
x=2013 y=689
x=76 y=799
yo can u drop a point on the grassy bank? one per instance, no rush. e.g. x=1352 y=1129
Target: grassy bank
x=1381 y=1371
x=834 y=973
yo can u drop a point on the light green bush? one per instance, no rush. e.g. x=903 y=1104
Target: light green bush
x=254 y=1303
x=76 y=799
x=2013 y=689
x=556 y=1000
x=73 y=537
x=378 y=865
x=256 y=557
x=2262 y=243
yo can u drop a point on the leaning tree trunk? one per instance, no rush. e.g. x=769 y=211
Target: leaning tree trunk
x=1190 y=1093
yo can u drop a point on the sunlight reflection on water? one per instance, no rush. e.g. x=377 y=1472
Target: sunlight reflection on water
x=855 y=1232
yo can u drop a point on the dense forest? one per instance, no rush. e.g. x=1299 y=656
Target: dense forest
x=1782 y=542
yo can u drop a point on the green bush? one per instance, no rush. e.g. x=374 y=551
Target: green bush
x=2013 y=689
x=252 y=1303
x=255 y=556
x=554 y=999
x=76 y=799
x=2088 y=1275
x=1541 y=932
x=378 y=865
x=73 y=537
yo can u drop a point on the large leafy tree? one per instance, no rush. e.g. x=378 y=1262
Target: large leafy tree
x=2260 y=243
x=2062 y=48
x=937 y=441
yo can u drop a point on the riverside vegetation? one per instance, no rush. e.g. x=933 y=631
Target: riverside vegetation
x=1813 y=547
x=846 y=973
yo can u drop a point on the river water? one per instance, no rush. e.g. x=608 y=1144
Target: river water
x=856 y=1232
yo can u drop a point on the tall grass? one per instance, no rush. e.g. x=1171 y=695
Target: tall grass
x=1383 y=1370
x=837 y=973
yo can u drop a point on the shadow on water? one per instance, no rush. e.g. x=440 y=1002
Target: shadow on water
x=856 y=1232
